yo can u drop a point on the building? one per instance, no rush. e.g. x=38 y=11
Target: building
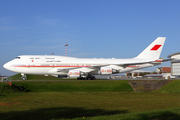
x=153 y=76
x=162 y=72
x=164 y=69
x=161 y=76
x=136 y=73
x=175 y=64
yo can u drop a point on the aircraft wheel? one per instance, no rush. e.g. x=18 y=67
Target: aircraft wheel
x=93 y=78
x=23 y=78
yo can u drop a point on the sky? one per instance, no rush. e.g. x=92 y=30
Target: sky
x=92 y=28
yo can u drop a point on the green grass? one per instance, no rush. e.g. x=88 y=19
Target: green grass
x=172 y=87
x=168 y=114
x=71 y=105
x=92 y=100
x=56 y=86
x=34 y=77
x=1 y=86
x=39 y=77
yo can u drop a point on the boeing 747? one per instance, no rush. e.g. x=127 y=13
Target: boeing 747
x=85 y=68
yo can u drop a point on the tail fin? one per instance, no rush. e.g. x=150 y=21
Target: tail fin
x=153 y=51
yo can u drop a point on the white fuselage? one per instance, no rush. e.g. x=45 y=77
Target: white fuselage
x=49 y=64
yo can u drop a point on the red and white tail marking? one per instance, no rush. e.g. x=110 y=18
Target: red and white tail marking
x=156 y=47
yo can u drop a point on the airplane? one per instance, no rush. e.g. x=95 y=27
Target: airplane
x=85 y=68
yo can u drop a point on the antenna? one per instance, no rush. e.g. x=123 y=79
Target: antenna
x=66 y=49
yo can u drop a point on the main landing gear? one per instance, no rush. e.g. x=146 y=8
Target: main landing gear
x=89 y=77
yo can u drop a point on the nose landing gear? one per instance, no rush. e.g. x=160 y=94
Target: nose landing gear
x=23 y=76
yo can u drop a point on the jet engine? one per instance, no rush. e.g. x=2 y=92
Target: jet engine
x=74 y=73
x=107 y=71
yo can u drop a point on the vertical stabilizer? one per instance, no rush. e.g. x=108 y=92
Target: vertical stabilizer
x=153 y=51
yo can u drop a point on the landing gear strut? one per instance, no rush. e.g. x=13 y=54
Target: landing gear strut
x=23 y=76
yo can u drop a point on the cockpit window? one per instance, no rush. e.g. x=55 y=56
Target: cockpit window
x=18 y=57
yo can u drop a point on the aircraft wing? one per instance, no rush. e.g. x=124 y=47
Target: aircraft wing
x=140 y=63
x=94 y=68
x=97 y=67
x=82 y=69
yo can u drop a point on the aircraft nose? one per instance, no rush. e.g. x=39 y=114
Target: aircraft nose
x=6 y=66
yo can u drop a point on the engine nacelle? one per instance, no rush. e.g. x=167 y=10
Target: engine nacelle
x=108 y=71
x=74 y=73
x=105 y=71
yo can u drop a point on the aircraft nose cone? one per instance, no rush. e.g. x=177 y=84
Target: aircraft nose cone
x=6 y=66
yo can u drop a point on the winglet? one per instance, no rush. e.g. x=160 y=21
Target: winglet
x=153 y=51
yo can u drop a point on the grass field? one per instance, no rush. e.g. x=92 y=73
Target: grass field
x=92 y=100
x=34 y=77
x=173 y=87
x=75 y=86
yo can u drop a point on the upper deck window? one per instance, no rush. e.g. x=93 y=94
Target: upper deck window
x=18 y=57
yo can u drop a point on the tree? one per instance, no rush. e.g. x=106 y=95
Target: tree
x=154 y=72
x=141 y=74
x=135 y=74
